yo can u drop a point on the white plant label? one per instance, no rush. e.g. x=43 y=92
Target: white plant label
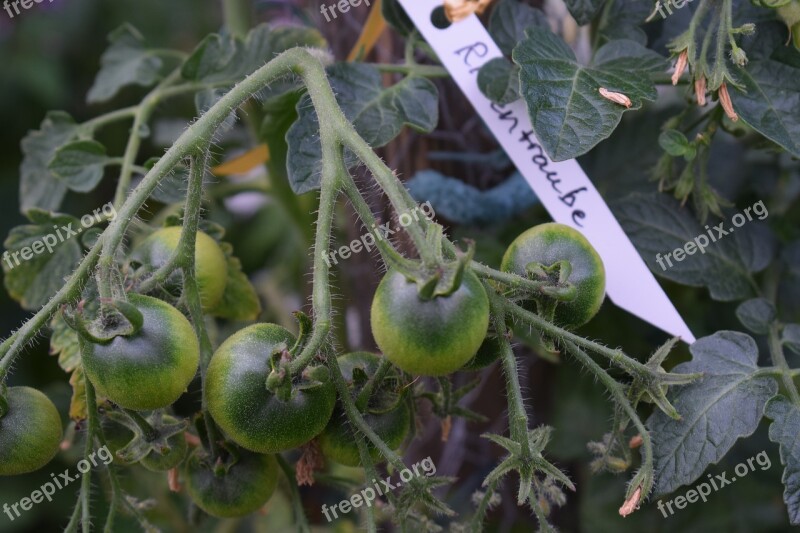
x=563 y=188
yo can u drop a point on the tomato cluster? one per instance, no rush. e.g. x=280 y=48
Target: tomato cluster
x=260 y=407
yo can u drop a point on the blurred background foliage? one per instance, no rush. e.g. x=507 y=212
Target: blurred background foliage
x=49 y=56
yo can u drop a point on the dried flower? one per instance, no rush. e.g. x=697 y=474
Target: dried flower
x=632 y=503
x=456 y=10
x=725 y=101
x=619 y=98
x=700 y=90
x=173 y=480
x=680 y=67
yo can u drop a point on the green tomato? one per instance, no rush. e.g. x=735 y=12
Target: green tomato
x=30 y=432
x=550 y=243
x=211 y=267
x=233 y=490
x=429 y=337
x=151 y=368
x=392 y=424
x=246 y=410
x=156 y=462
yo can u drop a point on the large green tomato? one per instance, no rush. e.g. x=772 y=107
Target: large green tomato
x=30 y=432
x=391 y=422
x=550 y=243
x=246 y=410
x=230 y=491
x=151 y=368
x=429 y=337
x=211 y=267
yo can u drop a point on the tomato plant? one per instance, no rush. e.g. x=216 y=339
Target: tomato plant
x=276 y=289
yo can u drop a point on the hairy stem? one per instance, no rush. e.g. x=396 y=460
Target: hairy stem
x=779 y=360
x=301 y=522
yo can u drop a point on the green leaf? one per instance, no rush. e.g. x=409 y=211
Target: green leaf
x=724 y=405
x=756 y=315
x=568 y=114
x=498 y=80
x=228 y=59
x=462 y=203
x=126 y=62
x=38 y=187
x=624 y=20
x=397 y=18
x=510 y=19
x=583 y=11
x=784 y=430
x=674 y=143
x=791 y=337
x=240 y=300
x=64 y=344
x=658 y=225
x=34 y=273
x=770 y=102
x=378 y=114
x=80 y=164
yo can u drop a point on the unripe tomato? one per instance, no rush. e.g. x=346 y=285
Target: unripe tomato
x=429 y=337
x=391 y=422
x=151 y=368
x=246 y=410
x=156 y=462
x=30 y=432
x=211 y=267
x=550 y=243
x=244 y=488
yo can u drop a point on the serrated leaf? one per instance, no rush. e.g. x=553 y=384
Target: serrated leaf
x=228 y=59
x=126 y=62
x=658 y=225
x=38 y=187
x=240 y=300
x=568 y=113
x=583 y=11
x=498 y=80
x=462 y=203
x=510 y=19
x=791 y=337
x=64 y=344
x=80 y=164
x=724 y=405
x=756 y=315
x=784 y=430
x=32 y=278
x=77 y=405
x=770 y=102
x=378 y=114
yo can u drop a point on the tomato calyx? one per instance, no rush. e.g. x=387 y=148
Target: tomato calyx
x=280 y=380
x=115 y=318
x=151 y=435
